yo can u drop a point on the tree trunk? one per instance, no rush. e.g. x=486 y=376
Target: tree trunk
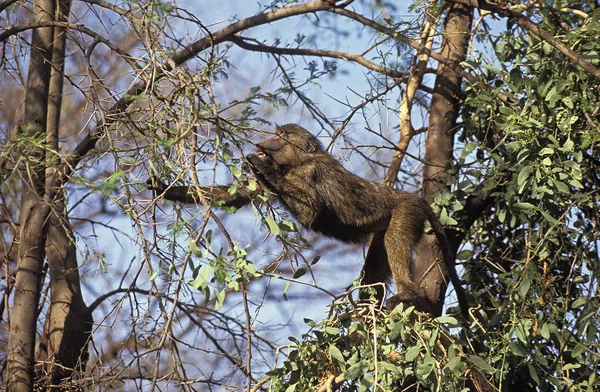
x=34 y=211
x=430 y=271
x=63 y=345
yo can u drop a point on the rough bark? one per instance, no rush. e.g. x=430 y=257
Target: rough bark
x=429 y=270
x=34 y=212
x=63 y=344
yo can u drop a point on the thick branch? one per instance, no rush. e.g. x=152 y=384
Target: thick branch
x=440 y=138
x=5 y=4
x=217 y=194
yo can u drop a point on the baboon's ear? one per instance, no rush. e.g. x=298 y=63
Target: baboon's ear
x=311 y=147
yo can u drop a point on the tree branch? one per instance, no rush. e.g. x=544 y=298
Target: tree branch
x=259 y=47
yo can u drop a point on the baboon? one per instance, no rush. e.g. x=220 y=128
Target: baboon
x=325 y=197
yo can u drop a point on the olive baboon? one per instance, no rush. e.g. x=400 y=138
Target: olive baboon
x=326 y=198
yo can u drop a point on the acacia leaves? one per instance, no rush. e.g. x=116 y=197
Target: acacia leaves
x=534 y=255
x=355 y=353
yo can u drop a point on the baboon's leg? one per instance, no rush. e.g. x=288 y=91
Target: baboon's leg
x=403 y=233
x=376 y=268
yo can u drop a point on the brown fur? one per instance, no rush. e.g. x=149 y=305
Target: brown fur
x=326 y=198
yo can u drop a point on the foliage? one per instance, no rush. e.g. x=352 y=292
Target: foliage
x=371 y=349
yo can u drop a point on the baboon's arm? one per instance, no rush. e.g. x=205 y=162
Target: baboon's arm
x=265 y=172
x=189 y=194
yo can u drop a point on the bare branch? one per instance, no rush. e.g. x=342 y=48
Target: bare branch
x=259 y=47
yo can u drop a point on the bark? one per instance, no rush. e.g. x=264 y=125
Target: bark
x=430 y=271
x=63 y=345
x=34 y=212
x=415 y=78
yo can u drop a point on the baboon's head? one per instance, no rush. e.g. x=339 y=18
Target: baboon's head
x=292 y=145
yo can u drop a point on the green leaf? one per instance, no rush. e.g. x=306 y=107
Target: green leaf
x=219 y=299
x=553 y=96
x=446 y=220
x=356 y=370
x=481 y=364
x=252 y=184
x=201 y=281
x=517 y=349
x=299 y=273
x=232 y=189
x=502 y=216
x=578 y=350
x=291 y=388
x=513 y=146
x=579 y=302
x=336 y=354
x=454 y=363
x=561 y=186
x=523 y=330
x=568 y=146
x=272 y=225
x=397 y=331
x=533 y=373
x=570 y=366
x=469 y=147
x=524 y=175
x=194 y=248
x=548 y=217
x=235 y=171
x=424 y=369
x=464 y=254
x=527 y=208
x=332 y=331
x=447 y=320
x=285 y=289
x=544 y=331
x=288 y=225
x=575 y=183
x=524 y=287
x=412 y=352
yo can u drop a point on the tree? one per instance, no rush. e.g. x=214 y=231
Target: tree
x=489 y=110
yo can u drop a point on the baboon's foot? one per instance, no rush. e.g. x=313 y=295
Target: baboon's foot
x=422 y=304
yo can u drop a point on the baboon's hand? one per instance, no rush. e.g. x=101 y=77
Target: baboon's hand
x=254 y=163
x=156 y=185
x=264 y=169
